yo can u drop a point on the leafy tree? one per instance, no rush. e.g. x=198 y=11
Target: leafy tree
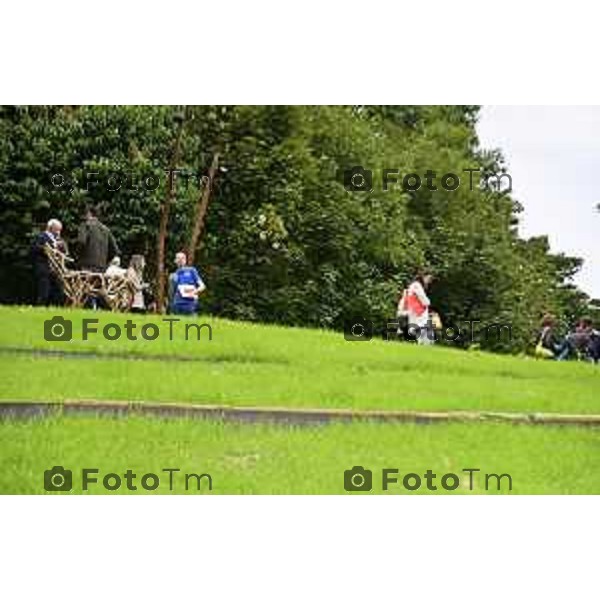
x=276 y=234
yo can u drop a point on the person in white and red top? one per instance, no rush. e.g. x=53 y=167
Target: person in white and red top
x=415 y=306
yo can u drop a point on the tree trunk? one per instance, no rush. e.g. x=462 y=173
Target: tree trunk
x=202 y=208
x=164 y=219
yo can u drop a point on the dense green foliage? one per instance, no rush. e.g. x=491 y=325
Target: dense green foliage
x=284 y=240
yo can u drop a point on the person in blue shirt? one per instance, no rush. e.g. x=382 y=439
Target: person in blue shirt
x=185 y=285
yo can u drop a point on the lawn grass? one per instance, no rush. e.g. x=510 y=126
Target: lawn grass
x=258 y=365
x=268 y=459
x=249 y=364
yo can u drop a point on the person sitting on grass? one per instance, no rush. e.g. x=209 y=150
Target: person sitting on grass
x=185 y=285
x=583 y=340
x=548 y=344
x=594 y=346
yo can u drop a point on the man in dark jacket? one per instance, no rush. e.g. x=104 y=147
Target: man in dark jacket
x=48 y=287
x=97 y=245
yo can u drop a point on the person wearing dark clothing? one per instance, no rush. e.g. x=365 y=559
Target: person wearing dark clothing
x=582 y=343
x=548 y=341
x=48 y=286
x=583 y=340
x=594 y=347
x=97 y=245
x=582 y=333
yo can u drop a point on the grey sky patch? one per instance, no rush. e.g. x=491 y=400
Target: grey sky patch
x=553 y=155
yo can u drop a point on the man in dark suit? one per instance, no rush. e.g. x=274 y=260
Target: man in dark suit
x=48 y=287
x=97 y=245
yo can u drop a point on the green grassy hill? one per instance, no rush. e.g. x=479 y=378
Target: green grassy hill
x=256 y=365
x=251 y=364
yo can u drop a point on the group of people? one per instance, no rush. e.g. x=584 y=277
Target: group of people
x=98 y=252
x=583 y=341
x=95 y=245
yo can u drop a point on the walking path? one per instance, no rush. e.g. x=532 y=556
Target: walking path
x=289 y=416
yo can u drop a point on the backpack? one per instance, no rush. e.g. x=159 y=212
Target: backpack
x=410 y=304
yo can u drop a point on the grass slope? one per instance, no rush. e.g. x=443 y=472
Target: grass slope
x=280 y=460
x=250 y=364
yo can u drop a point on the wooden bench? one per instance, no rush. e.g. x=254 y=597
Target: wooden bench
x=115 y=291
